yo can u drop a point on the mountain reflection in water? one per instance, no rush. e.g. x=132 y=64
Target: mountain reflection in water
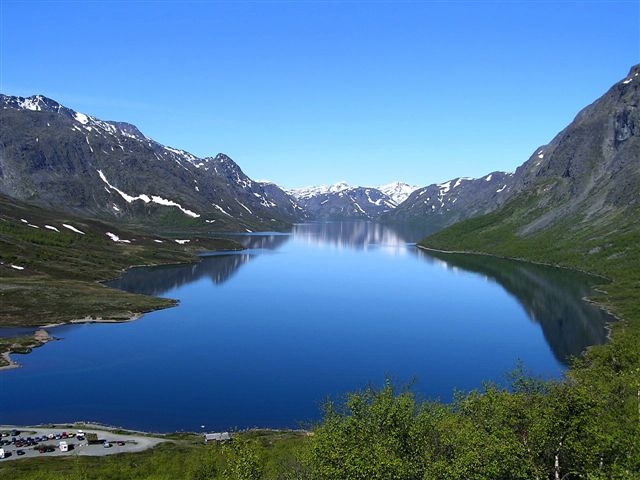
x=359 y=235
x=219 y=267
x=551 y=297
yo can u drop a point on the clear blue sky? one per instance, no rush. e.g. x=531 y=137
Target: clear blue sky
x=311 y=92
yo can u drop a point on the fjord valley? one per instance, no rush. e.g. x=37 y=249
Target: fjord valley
x=343 y=301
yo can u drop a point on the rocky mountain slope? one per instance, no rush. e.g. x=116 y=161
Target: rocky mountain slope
x=341 y=201
x=56 y=157
x=590 y=172
x=577 y=199
x=587 y=177
x=442 y=204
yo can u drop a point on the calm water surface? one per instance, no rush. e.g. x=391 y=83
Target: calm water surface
x=262 y=337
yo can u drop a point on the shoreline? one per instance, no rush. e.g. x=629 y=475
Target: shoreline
x=515 y=259
x=41 y=336
x=601 y=306
x=41 y=339
x=89 y=426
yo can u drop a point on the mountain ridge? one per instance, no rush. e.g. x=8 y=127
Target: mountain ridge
x=55 y=157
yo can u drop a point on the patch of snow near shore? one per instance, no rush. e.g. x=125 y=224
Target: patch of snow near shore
x=72 y=228
x=116 y=238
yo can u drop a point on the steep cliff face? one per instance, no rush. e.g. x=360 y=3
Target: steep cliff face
x=591 y=169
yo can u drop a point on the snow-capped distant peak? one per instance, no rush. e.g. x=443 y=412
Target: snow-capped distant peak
x=312 y=191
x=35 y=103
x=339 y=187
x=31 y=103
x=398 y=191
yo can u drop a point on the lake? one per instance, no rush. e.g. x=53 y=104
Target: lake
x=262 y=337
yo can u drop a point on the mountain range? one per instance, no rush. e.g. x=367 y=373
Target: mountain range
x=341 y=201
x=54 y=157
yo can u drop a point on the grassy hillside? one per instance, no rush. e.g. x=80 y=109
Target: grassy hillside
x=50 y=272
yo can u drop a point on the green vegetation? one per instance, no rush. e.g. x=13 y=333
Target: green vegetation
x=251 y=455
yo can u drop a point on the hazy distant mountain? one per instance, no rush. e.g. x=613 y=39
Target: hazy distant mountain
x=341 y=201
x=56 y=157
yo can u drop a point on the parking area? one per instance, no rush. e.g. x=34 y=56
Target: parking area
x=28 y=442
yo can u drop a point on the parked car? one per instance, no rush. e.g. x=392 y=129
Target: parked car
x=20 y=452
x=106 y=444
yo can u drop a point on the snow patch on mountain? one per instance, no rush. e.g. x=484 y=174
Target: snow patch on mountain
x=116 y=238
x=314 y=191
x=82 y=118
x=398 y=191
x=72 y=228
x=146 y=198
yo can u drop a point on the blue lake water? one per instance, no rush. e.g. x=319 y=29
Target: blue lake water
x=264 y=336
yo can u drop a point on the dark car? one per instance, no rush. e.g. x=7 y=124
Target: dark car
x=20 y=452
